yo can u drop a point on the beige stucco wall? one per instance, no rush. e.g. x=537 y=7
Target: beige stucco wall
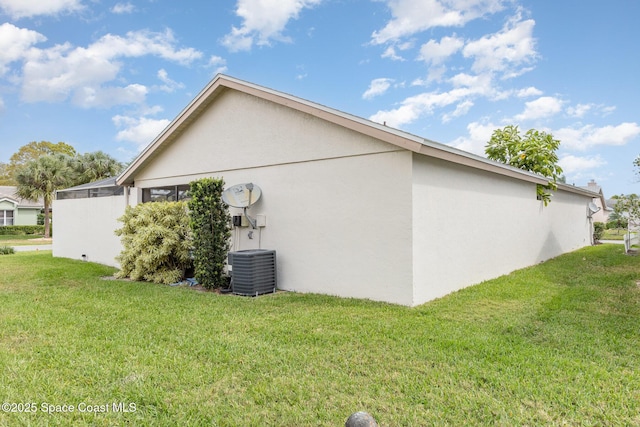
x=241 y=131
x=348 y=214
x=471 y=226
x=337 y=203
x=86 y=226
x=339 y=226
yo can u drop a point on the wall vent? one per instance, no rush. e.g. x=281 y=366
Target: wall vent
x=253 y=271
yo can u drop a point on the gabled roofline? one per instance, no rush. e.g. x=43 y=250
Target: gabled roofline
x=10 y=200
x=399 y=138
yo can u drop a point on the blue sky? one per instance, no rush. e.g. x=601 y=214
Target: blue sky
x=110 y=75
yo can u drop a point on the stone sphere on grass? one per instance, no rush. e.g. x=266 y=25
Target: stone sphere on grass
x=361 y=419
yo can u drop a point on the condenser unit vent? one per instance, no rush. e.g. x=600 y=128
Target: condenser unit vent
x=253 y=271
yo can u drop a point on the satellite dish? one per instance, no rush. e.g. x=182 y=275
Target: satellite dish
x=241 y=195
x=592 y=209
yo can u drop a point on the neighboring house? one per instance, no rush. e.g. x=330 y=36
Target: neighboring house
x=600 y=201
x=17 y=211
x=353 y=208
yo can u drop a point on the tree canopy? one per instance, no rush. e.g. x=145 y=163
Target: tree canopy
x=5 y=177
x=40 y=178
x=33 y=151
x=534 y=152
x=39 y=169
x=94 y=166
x=628 y=206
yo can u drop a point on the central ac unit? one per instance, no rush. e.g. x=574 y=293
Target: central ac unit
x=253 y=271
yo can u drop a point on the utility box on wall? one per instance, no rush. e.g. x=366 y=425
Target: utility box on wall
x=253 y=271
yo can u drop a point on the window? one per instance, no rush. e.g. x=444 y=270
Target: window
x=6 y=218
x=165 y=194
x=92 y=192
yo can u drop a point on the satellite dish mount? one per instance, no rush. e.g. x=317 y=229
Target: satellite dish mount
x=592 y=209
x=242 y=196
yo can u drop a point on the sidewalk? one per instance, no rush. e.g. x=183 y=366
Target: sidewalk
x=26 y=248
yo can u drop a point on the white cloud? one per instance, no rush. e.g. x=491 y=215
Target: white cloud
x=413 y=16
x=64 y=71
x=466 y=87
x=505 y=51
x=572 y=165
x=461 y=110
x=218 y=63
x=263 y=21
x=390 y=52
x=479 y=136
x=104 y=97
x=169 y=85
x=414 y=107
x=28 y=8
x=142 y=43
x=377 y=87
x=590 y=136
x=579 y=110
x=435 y=53
x=140 y=131
x=14 y=43
x=544 y=106
x=527 y=92
x=122 y=8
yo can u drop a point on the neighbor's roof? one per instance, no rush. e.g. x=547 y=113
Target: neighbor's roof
x=416 y=144
x=8 y=192
x=107 y=182
x=595 y=188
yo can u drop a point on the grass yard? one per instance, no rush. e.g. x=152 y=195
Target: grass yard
x=555 y=344
x=22 y=240
x=614 y=234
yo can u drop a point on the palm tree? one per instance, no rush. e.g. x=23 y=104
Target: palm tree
x=40 y=178
x=94 y=166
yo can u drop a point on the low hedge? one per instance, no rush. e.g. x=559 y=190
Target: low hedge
x=20 y=230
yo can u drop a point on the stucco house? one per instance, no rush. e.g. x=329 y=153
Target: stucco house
x=17 y=211
x=600 y=201
x=352 y=207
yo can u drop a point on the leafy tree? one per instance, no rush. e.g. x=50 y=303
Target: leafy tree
x=5 y=177
x=617 y=220
x=636 y=163
x=535 y=152
x=94 y=166
x=34 y=150
x=40 y=178
x=628 y=206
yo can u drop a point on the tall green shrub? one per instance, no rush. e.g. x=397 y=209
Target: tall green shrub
x=156 y=242
x=211 y=231
x=598 y=231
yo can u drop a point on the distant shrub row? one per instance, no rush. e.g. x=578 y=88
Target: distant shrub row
x=21 y=230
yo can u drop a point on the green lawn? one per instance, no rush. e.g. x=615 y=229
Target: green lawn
x=614 y=234
x=555 y=344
